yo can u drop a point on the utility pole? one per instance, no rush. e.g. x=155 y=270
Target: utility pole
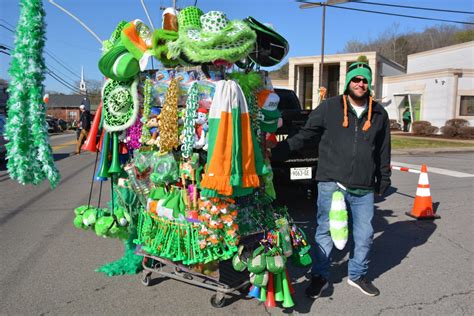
x=308 y=5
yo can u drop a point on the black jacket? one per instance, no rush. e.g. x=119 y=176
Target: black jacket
x=350 y=156
x=85 y=120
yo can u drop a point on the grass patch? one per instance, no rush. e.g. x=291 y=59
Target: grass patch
x=405 y=142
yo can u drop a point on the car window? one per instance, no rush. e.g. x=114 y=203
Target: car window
x=288 y=100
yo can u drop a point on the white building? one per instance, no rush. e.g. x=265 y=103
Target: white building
x=438 y=86
x=303 y=74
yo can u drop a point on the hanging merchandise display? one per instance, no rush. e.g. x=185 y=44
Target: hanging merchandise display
x=183 y=147
x=29 y=154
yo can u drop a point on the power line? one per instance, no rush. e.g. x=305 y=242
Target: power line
x=400 y=15
x=64 y=66
x=49 y=71
x=412 y=7
x=63 y=82
x=7 y=28
x=56 y=59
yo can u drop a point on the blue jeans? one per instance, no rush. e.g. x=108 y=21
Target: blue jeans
x=361 y=210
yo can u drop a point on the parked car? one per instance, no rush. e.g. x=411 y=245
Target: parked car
x=300 y=167
x=3 y=149
x=53 y=126
x=63 y=124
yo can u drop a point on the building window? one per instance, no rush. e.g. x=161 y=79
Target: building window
x=72 y=115
x=466 y=107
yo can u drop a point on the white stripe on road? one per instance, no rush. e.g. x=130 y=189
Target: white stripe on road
x=445 y=172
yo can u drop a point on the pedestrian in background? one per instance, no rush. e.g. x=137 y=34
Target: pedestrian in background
x=84 y=125
x=406 y=120
x=354 y=158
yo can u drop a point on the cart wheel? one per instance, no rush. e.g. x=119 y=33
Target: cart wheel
x=145 y=278
x=218 y=302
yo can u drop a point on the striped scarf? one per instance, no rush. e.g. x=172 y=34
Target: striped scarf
x=234 y=160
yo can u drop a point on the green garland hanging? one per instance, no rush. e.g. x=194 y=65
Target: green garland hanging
x=30 y=158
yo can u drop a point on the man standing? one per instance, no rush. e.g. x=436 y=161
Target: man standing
x=85 y=125
x=354 y=158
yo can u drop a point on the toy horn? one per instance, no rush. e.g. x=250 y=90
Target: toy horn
x=278 y=288
x=270 y=302
x=254 y=292
x=102 y=171
x=287 y=300
x=91 y=142
x=115 y=166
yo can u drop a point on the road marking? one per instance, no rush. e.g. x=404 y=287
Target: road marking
x=445 y=172
x=69 y=143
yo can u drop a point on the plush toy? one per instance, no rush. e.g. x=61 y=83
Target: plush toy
x=201 y=129
x=103 y=225
x=152 y=124
x=79 y=218
x=122 y=216
x=338 y=220
x=89 y=217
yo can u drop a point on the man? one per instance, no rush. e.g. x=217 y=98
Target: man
x=85 y=125
x=354 y=158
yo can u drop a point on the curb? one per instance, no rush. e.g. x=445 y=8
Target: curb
x=432 y=150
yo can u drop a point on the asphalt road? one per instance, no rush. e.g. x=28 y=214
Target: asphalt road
x=421 y=267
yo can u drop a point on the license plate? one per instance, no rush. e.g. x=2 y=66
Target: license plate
x=300 y=173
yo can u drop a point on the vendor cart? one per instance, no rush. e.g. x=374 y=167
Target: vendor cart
x=225 y=280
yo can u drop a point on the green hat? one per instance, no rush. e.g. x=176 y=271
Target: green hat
x=120 y=105
x=118 y=64
x=358 y=69
x=271 y=48
x=190 y=16
x=216 y=38
x=269 y=123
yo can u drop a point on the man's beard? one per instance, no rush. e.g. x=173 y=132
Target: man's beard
x=356 y=97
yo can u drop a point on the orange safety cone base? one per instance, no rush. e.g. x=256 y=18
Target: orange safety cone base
x=427 y=217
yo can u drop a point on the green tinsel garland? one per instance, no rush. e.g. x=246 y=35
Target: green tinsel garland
x=147 y=86
x=30 y=158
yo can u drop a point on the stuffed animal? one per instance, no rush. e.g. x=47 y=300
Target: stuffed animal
x=201 y=129
x=89 y=217
x=338 y=219
x=123 y=218
x=152 y=124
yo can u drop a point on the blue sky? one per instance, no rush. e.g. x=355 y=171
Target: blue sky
x=74 y=47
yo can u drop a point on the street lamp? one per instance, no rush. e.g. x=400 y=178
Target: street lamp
x=309 y=5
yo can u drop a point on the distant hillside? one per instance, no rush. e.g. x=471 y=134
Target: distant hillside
x=397 y=46
x=281 y=73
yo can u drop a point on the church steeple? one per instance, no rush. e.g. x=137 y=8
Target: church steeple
x=82 y=84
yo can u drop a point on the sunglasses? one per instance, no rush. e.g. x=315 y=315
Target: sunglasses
x=357 y=80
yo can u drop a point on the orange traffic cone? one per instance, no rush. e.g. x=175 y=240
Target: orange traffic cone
x=423 y=206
